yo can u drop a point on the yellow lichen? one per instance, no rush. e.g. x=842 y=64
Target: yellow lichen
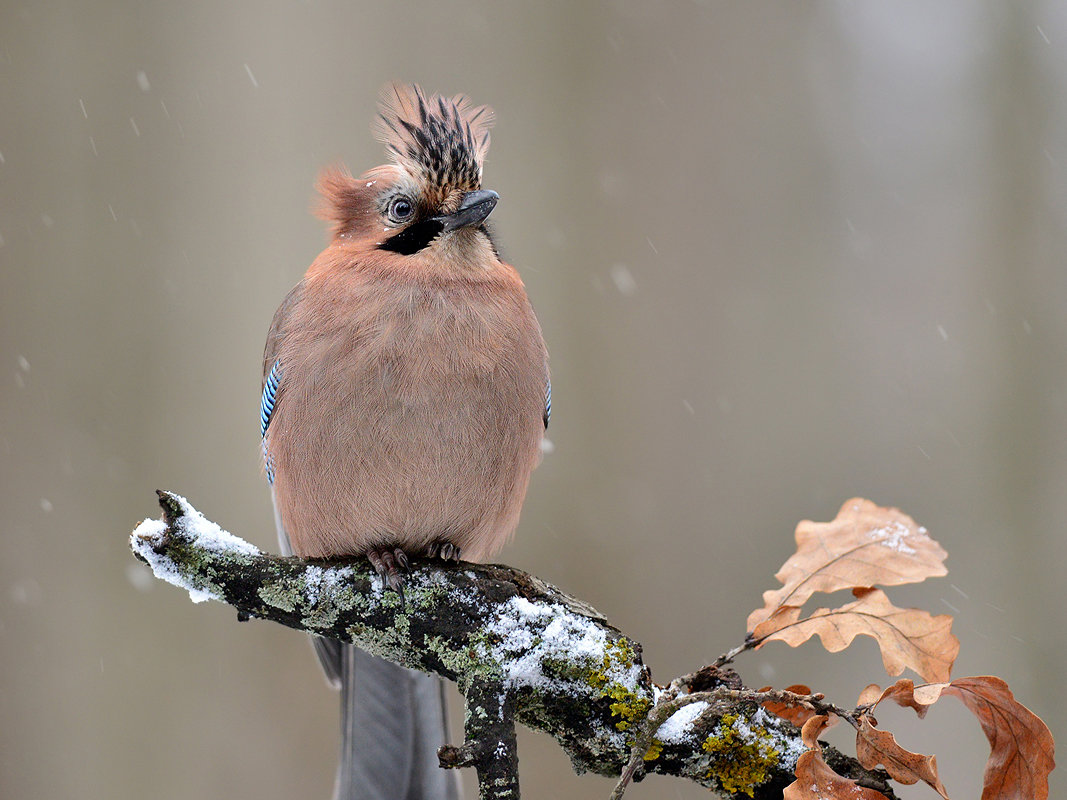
x=743 y=758
x=629 y=706
x=654 y=750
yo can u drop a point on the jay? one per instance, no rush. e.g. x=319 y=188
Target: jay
x=405 y=397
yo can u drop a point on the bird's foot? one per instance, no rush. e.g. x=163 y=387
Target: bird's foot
x=391 y=563
x=446 y=551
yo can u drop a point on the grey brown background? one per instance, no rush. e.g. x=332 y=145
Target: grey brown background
x=783 y=254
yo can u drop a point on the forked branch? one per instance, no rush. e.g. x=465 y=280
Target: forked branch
x=518 y=648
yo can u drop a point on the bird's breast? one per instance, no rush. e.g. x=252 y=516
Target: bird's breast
x=409 y=412
x=414 y=347
x=429 y=340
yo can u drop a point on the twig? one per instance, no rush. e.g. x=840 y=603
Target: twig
x=727 y=658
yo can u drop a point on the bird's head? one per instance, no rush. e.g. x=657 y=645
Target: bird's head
x=429 y=201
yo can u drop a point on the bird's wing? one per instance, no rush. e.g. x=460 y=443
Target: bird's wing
x=272 y=366
x=328 y=650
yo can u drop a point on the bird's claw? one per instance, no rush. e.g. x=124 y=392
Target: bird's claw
x=391 y=564
x=446 y=551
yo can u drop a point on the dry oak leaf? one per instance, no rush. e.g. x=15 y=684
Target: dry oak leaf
x=815 y=780
x=904 y=693
x=907 y=637
x=1022 y=753
x=811 y=730
x=874 y=747
x=791 y=712
x=872 y=694
x=865 y=545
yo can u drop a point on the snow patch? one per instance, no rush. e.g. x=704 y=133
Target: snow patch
x=162 y=567
x=675 y=728
x=324 y=579
x=316 y=576
x=196 y=529
x=532 y=633
x=893 y=536
x=202 y=532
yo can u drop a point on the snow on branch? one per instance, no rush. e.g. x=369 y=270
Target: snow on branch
x=519 y=650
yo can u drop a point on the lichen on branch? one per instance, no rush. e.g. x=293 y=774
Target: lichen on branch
x=557 y=664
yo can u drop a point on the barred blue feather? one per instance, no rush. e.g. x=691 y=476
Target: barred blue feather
x=270 y=392
x=266 y=410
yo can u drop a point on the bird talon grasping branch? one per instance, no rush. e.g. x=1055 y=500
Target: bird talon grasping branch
x=391 y=564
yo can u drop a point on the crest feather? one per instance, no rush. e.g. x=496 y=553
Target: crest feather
x=442 y=140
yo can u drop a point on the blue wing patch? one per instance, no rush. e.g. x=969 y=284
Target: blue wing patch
x=548 y=402
x=270 y=392
x=266 y=410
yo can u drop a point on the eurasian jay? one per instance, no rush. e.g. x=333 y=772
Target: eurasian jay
x=405 y=397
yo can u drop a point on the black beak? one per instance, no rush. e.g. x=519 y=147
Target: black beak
x=476 y=206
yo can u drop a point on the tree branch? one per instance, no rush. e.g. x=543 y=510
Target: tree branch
x=518 y=648
x=489 y=741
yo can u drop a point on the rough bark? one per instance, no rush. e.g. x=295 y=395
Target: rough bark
x=518 y=648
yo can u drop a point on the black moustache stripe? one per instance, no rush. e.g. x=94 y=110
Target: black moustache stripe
x=413 y=238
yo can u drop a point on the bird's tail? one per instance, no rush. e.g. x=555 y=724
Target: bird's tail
x=392 y=722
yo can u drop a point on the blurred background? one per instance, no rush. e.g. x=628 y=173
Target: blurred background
x=783 y=254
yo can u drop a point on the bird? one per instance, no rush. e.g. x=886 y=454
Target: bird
x=405 y=397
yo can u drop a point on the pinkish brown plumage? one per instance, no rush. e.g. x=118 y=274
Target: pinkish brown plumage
x=405 y=396
x=410 y=401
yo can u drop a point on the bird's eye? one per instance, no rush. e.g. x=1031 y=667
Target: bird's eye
x=401 y=209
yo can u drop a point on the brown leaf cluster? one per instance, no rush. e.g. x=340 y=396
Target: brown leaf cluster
x=864 y=546
x=815 y=780
x=1022 y=753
